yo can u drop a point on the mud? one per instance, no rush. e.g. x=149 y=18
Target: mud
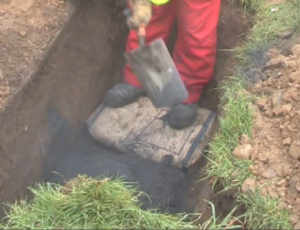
x=42 y=129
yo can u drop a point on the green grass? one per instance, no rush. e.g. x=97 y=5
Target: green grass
x=264 y=212
x=267 y=25
x=86 y=203
x=237 y=119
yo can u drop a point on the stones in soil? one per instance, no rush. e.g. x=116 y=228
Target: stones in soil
x=294 y=150
x=249 y=186
x=243 y=151
x=275 y=145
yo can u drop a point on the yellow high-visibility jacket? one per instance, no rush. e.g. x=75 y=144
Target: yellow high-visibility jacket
x=159 y=2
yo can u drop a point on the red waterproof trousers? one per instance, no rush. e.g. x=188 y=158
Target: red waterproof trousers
x=195 y=50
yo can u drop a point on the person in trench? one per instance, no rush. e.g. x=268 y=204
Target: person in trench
x=194 y=54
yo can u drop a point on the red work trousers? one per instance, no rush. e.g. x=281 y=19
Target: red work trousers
x=195 y=49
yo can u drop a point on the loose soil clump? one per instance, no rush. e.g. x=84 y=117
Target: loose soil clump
x=275 y=147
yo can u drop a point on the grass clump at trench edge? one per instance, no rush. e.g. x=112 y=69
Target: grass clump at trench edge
x=237 y=121
x=269 y=20
x=86 y=203
x=264 y=212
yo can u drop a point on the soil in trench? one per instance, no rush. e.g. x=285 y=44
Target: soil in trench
x=169 y=188
x=166 y=186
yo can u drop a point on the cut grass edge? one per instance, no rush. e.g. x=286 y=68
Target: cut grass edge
x=237 y=119
x=99 y=203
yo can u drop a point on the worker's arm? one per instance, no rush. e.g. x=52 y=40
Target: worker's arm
x=141 y=13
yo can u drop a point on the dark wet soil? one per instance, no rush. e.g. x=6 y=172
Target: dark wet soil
x=164 y=184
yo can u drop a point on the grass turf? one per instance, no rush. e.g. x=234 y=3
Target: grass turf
x=262 y=212
x=86 y=203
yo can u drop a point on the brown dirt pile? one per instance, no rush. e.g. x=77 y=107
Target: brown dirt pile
x=275 y=147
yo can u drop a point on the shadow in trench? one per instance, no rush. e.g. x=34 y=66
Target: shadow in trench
x=166 y=185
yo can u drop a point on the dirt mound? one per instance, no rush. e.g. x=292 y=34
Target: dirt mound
x=26 y=29
x=275 y=148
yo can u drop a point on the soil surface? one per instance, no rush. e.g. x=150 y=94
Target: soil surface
x=275 y=148
x=27 y=27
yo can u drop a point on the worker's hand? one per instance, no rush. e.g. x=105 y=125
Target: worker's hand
x=141 y=14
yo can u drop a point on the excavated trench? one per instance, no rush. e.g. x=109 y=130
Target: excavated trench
x=43 y=130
